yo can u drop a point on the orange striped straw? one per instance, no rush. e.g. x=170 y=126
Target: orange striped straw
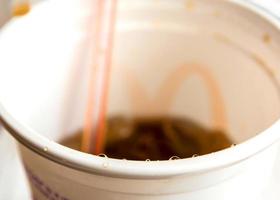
x=94 y=128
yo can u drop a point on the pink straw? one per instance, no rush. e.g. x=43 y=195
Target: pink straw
x=94 y=128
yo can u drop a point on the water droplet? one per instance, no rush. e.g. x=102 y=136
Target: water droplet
x=174 y=158
x=105 y=165
x=45 y=149
x=147 y=160
x=102 y=155
x=195 y=155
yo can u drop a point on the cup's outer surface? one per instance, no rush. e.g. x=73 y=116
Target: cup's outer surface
x=244 y=180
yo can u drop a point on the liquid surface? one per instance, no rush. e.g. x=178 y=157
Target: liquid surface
x=156 y=139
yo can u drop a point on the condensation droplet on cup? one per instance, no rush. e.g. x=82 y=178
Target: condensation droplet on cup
x=174 y=158
x=195 y=155
x=105 y=165
x=45 y=149
x=103 y=155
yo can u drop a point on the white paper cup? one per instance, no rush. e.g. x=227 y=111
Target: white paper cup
x=223 y=54
x=11 y=170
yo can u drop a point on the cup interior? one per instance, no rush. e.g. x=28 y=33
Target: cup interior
x=209 y=61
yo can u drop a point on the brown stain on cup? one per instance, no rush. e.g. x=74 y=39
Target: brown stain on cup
x=261 y=62
x=222 y=38
x=266 y=38
x=190 y=5
x=217 y=13
x=21 y=9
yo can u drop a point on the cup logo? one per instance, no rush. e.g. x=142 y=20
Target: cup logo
x=169 y=88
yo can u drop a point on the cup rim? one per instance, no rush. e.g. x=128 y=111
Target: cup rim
x=141 y=169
